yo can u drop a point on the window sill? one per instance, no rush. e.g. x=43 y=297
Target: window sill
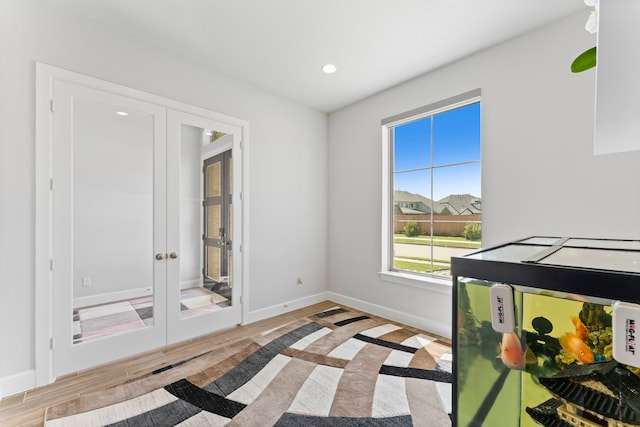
x=444 y=286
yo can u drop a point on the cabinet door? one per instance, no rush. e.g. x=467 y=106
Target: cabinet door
x=618 y=88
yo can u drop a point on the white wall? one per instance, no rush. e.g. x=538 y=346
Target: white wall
x=540 y=176
x=287 y=163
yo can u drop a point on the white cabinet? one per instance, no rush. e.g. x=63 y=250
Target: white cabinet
x=617 y=127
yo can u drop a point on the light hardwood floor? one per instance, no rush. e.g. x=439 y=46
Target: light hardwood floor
x=28 y=408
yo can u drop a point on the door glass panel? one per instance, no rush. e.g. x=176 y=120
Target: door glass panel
x=204 y=224
x=214 y=180
x=230 y=174
x=213 y=271
x=213 y=221
x=213 y=136
x=112 y=203
x=230 y=224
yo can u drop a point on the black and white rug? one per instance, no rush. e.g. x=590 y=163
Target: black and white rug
x=336 y=368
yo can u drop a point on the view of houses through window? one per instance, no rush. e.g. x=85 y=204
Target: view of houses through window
x=437 y=204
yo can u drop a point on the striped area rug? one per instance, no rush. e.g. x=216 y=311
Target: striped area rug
x=336 y=368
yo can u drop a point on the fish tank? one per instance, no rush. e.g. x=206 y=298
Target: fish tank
x=545 y=334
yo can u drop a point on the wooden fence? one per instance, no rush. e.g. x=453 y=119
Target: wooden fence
x=443 y=225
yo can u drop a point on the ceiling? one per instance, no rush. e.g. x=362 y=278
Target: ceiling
x=281 y=45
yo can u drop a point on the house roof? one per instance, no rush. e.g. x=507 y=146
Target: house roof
x=409 y=211
x=401 y=196
x=453 y=204
x=405 y=196
x=463 y=204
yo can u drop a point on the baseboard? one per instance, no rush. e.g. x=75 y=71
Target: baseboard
x=431 y=325
x=285 y=307
x=17 y=383
x=186 y=284
x=111 y=297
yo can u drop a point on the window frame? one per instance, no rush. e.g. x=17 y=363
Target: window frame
x=387 y=272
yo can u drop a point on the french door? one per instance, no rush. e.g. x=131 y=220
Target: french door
x=129 y=263
x=205 y=282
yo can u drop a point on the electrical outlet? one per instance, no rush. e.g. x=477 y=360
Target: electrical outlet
x=299 y=282
x=86 y=281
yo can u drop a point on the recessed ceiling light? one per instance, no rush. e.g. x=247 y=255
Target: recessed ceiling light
x=329 y=68
x=122 y=113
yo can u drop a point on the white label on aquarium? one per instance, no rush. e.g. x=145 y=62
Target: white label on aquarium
x=626 y=320
x=502 y=313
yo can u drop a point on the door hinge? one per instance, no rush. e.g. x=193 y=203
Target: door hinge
x=240 y=248
x=51 y=264
x=240 y=299
x=51 y=185
x=52 y=343
x=51 y=105
x=241 y=196
x=241 y=144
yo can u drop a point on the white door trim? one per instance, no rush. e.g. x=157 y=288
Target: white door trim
x=45 y=77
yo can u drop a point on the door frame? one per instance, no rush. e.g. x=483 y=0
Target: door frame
x=222 y=242
x=46 y=75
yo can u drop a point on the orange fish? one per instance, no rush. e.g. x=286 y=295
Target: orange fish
x=581 y=330
x=573 y=345
x=512 y=354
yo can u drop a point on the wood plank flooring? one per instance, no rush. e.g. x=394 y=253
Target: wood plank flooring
x=28 y=408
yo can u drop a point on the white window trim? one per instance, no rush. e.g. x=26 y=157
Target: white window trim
x=386 y=274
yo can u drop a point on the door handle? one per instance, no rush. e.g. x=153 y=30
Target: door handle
x=159 y=257
x=173 y=255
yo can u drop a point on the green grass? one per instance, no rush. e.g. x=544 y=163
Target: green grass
x=446 y=241
x=419 y=267
x=415 y=258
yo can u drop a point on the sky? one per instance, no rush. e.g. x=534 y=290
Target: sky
x=455 y=135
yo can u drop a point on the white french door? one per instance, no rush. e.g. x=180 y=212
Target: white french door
x=127 y=218
x=109 y=222
x=197 y=298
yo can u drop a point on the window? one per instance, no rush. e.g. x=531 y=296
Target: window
x=432 y=186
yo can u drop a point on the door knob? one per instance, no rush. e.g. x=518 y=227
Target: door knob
x=173 y=255
x=159 y=257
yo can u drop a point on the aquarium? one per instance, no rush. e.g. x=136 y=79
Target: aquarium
x=544 y=334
